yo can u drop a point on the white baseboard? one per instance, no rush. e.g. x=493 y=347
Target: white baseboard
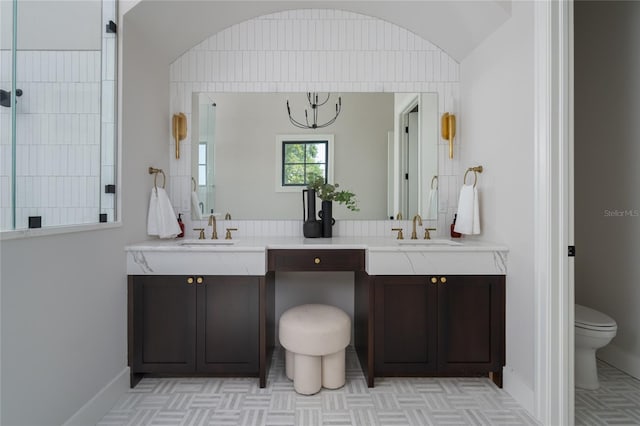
x=96 y=408
x=517 y=388
x=621 y=359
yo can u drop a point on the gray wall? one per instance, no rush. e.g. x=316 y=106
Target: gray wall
x=607 y=172
x=496 y=119
x=53 y=25
x=63 y=313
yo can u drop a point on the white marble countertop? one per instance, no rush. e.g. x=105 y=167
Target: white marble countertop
x=248 y=256
x=374 y=244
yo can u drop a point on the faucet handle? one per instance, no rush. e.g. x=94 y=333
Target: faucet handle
x=201 y=237
x=400 y=236
x=228 y=236
x=427 y=235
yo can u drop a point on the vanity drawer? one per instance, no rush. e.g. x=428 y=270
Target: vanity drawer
x=316 y=260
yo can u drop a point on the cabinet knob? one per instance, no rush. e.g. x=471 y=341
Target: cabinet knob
x=199 y=280
x=316 y=260
x=190 y=280
x=434 y=280
x=443 y=280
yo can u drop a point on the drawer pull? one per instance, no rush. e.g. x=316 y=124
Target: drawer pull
x=190 y=280
x=316 y=260
x=199 y=280
x=434 y=280
x=443 y=280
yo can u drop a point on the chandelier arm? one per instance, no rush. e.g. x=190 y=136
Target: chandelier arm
x=325 y=101
x=313 y=100
x=295 y=122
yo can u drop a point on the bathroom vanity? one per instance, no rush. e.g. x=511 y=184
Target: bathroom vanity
x=420 y=308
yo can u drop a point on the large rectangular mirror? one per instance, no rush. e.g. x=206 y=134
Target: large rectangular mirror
x=383 y=148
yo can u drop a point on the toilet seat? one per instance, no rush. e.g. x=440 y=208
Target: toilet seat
x=590 y=319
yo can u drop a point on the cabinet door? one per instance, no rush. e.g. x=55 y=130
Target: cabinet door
x=405 y=325
x=164 y=324
x=228 y=325
x=471 y=324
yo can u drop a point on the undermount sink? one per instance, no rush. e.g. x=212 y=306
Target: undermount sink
x=432 y=242
x=207 y=242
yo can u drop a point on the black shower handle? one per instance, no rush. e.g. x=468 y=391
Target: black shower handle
x=5 y=97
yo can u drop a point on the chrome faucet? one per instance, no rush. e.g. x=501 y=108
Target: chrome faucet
x=414 y=235
x=212 y=222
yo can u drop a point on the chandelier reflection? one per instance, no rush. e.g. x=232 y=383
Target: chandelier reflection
x=314 y=103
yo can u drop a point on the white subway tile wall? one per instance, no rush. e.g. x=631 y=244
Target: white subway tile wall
x=57 y=138
x=316 y=50
x=59 y=175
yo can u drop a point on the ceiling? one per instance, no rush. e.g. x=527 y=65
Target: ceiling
x=171 y=27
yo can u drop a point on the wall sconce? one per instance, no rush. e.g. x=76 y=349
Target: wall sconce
x=179 y=130
x=448 y=127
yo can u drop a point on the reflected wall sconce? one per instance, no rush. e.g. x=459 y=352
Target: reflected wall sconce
x=448 y=128
x=179 y=130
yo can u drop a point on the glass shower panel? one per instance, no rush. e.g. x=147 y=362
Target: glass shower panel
x=63 y=132
x=7 y=88
x=108 y=114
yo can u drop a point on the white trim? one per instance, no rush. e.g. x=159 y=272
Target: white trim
x=56 y=230
x=517 y=388
x=297 y=138
x=553 y=380
x=98 y=406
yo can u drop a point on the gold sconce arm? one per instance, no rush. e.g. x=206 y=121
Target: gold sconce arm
x=448 y=129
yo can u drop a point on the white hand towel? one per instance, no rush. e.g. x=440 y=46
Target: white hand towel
x=468 y=220
x=432 y=205
x=161 y=220
x=196 y=213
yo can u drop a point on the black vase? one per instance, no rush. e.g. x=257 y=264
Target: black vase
x=327 y=220
x=311 y=228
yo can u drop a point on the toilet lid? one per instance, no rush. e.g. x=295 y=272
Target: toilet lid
x=590 y=318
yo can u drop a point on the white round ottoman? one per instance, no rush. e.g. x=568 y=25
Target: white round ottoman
x=315 y=337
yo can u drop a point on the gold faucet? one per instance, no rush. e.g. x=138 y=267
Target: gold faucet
x=227 y=216
x=212 y=222
x=400 y=236
x=414 y=235
x=399 y=216
x=427 y=235
x=228 y=235
x=201 y=237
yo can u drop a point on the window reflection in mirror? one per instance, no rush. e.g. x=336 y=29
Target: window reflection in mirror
x=368 y=153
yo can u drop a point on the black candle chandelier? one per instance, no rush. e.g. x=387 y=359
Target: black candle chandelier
x=315 y=103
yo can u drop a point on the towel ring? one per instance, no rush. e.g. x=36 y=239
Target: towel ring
x=434 y=179
x=194 y=183
x=154 y=171
x=475 y=170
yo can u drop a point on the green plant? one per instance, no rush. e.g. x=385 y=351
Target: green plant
x=328 y=192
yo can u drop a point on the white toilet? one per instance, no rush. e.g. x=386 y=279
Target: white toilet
x=593 y=330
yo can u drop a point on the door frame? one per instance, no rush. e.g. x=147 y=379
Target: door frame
x=553 y=212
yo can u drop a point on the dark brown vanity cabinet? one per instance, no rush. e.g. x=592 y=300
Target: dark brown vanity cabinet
x=193 y=324
x=439 y=325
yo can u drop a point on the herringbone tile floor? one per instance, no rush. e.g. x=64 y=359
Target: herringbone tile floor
x=616 y=402
x=393 y=402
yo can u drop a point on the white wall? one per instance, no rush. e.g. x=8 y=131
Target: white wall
x=607 y=199
x=64 y=297
x=245 y=147
x=497 y=130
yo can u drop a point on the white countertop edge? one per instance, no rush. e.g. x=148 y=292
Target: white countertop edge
x=372 y=244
